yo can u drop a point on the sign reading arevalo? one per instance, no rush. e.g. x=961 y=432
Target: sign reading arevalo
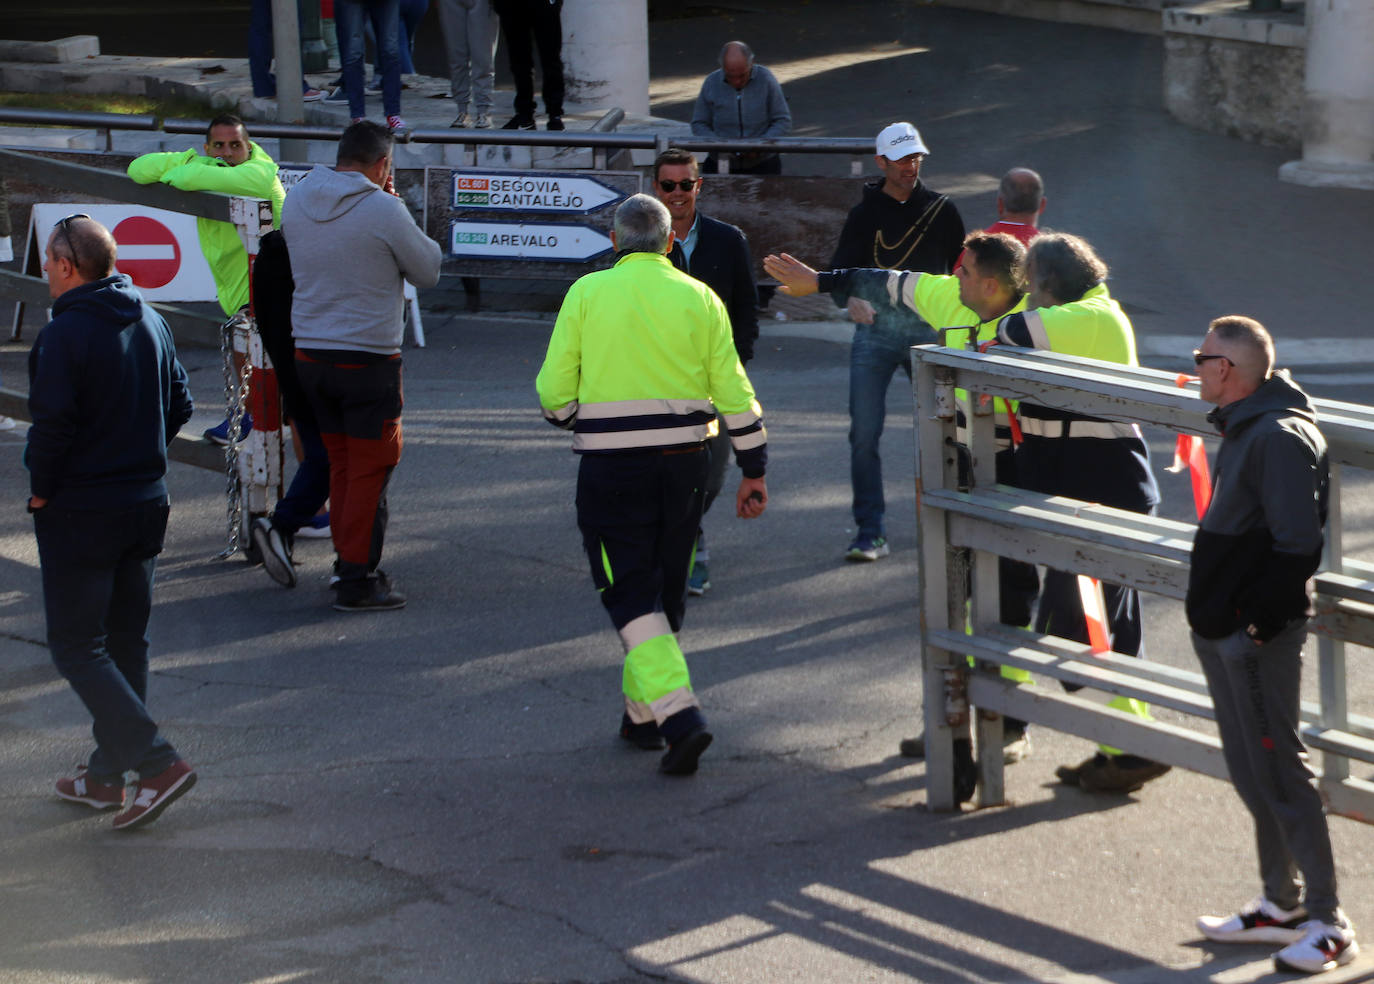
x=548 y=242
x=536 y=224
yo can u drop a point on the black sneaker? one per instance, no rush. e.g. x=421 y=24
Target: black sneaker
x=374 y=595
x=519 y=123
x=274 y=551
x=644 y=736
x=556 y=123
x=681 y=757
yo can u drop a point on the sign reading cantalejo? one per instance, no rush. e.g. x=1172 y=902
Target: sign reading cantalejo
x=547 y=225
x=531 y=191
x=569 y=243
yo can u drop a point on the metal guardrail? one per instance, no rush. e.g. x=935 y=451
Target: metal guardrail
x=569 y=138
x=967 y=531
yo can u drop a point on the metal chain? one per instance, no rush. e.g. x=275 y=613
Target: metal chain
x=235 y=398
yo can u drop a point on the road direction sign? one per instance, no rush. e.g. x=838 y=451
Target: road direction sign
x=550 y=243
x=531 y=191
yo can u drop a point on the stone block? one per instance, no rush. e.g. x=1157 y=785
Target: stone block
x=51 y=52
x=1232 y=72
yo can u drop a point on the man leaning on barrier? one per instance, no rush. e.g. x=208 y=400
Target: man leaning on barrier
x=1248 y=606
x=639 y=365
x=1069 y=310
x=988 y=285
x=741 y=101
x=233 y=165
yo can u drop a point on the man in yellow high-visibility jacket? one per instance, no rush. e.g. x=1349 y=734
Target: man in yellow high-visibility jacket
x=640 y=362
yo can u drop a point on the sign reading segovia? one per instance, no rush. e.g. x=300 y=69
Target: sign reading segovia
x=531 y=191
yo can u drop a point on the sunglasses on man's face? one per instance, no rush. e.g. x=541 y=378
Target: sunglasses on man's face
x=71 y=247
x=687 y=184
x=1200 y=357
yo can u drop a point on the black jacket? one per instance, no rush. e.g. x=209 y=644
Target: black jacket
x=925 y=234
x=273 y=289
x=721 y=260
x=1261 y=539
x=107 y=396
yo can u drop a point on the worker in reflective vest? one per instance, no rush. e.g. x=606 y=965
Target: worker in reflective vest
x=1070 y=310
x=640 y=362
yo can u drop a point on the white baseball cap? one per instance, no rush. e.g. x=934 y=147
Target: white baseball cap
x=899 y=140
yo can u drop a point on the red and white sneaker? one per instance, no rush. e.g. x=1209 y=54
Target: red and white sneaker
x=1324 y=946
x=1258 y=921
x=155 y=794
x=81 y=788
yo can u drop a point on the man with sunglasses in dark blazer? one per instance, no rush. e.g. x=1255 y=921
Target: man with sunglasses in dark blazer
x=107 y=395
x=717 y=254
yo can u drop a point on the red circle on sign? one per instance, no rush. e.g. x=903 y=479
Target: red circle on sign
x=148 y=252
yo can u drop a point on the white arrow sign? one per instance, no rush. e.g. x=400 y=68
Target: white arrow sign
x=516 y=240
x=530 y=191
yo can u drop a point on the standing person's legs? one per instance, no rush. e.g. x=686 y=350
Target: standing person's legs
x=719 y=451
x=455 y=21
x=348 y=20
x=484 y=31
x=682 y=499
x=520 y=53
x=90 y=561
x=412 y=13
x=548 y=35
x=873 y=359
x=386 y=26
x=260 y=50
x=309 y=489
x=1264 y=683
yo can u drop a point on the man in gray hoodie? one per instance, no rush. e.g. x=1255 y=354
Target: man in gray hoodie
x=353 y=244
x=1248 y=604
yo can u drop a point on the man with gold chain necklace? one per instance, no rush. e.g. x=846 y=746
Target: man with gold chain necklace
x=900 y=224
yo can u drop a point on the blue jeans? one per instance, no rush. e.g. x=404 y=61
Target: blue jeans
x=873 y=357
x=385 y=17
x=97 y=569
x=309 y=488
x=260 y=51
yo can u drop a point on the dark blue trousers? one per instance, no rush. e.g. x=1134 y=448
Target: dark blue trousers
x=97 y=568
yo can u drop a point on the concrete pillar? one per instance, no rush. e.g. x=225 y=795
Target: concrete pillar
x=606 y=55
x=1338 y=97
x=286 y=44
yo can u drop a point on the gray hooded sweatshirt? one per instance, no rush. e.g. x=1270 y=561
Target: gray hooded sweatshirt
x=351 y=246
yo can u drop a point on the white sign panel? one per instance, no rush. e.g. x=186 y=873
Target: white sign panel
x=531 y=191
x=527 y=241
x=158 y=250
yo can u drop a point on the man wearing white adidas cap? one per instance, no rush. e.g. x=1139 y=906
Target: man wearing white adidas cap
x=900 y=224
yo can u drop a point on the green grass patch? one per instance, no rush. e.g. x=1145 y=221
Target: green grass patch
x=108 y=103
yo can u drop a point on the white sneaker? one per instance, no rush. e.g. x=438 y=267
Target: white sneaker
x=1324 y=946
x=483 y=121
x=8 y=423
x=1259 y=921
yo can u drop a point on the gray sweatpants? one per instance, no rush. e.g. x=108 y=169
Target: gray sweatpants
x=1256 y=691
x=470 y=31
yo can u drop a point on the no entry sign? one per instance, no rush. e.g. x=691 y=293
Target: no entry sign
x=148 y=251
x=158 y=250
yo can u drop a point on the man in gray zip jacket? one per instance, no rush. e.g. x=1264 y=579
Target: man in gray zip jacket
x=353 y=245
x=1248 y=604
x=741 y=100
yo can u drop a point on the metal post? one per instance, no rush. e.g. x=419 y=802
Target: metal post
x=1331 y=668
x=286 y=44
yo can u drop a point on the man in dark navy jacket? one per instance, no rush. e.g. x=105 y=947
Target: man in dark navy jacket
x=717 y=254
x=107 y=395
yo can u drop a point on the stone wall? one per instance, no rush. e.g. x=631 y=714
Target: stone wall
x=1231 y=71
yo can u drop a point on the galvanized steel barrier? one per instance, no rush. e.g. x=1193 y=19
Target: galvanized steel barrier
x=963 y=532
